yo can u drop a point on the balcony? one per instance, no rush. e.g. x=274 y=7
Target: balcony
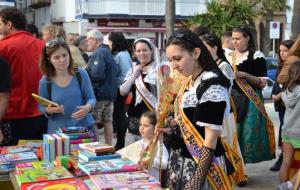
x=35 y=4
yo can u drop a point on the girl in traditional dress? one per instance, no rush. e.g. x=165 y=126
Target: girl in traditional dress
x=141 y=81
x=229 y=134
x=197 y=158
x=254 y=127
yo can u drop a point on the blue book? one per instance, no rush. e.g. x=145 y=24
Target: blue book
x=86 y=156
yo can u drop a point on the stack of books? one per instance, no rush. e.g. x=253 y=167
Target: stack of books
x=97 y=151
x=12 y=155
x=77 y=135
x=55 y=145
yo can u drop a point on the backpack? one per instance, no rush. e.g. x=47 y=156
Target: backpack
x=78 y=77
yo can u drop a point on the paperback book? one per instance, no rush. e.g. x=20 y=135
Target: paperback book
x=34 y=175
x=87 y=156
x=97 y=147
x=63 y=184
x=125 y=180
x=43 y=101
x=108 y=166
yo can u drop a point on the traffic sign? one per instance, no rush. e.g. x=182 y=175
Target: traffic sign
x=274 y=30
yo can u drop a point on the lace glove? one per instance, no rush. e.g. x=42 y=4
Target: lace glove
x=126 y=86
x=197 y=181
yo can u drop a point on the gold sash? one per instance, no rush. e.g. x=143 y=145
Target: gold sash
x=217 y=177
x=251 y=94
x=146 y=95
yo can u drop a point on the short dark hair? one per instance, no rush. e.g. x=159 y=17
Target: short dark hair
x=15 y=16
x=119 y=43
x=213 y=40
x=201 y=30
x=31 y=28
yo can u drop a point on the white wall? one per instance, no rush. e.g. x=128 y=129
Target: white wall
x=142 y=7
x=42 y=17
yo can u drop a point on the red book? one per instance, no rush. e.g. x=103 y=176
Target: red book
x=74 y=184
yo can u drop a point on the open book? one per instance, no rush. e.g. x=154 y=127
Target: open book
x=43 y=101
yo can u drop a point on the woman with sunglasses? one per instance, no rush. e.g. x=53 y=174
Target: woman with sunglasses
x=197 y=156
x=229 y=133
x=254 y=127
x=141 y=81
x=75 y=97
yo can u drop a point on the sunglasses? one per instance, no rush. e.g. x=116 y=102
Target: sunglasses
x=54 y=42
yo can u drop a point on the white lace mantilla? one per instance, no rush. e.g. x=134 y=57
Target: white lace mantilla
x=215 y=93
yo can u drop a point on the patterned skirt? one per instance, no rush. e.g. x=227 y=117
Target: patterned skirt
x=181 y=170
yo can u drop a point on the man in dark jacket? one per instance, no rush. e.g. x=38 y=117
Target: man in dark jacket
x=102 y=70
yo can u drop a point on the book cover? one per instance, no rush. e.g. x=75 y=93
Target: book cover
x=44 y=164
x=74 y=130
x=86 y=156
x=63 y=184
x=108 y=166
x=140 y=187
x=21 y=157
x=43 y=101
x=15 y=149
x=97 y=147
x=34 y=175
x=124 y=180
x=90 y=184
x=35 y=144
x=132 y=151
x=75 y=136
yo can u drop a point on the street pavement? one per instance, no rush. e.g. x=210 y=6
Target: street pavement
x=260 y=176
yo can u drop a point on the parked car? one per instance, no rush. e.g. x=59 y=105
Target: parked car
x=272 y=64
x=267 y=90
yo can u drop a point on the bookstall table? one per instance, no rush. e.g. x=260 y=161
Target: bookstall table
x=13 y=180
x=5 y=183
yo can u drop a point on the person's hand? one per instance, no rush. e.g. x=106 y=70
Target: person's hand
x=82 y=111
x=136 y=71
x=240 y=75
x=51 y=110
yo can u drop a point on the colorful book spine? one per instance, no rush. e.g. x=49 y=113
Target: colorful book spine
x=49 y=151
x=80 y=136
x=58 y=145
x=66 y=143
x=74 y=130
x=79 y=141
x=86 y=156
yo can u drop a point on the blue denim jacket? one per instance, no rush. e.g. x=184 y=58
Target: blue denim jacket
x=103 y=74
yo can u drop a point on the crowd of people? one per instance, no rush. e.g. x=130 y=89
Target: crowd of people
x=218 y=124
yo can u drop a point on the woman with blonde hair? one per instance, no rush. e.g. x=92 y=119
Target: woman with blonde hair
x=78 y=60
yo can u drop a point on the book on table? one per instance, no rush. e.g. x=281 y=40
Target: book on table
x=64 y=184
x=97 y=147
x=38 y=174
x=44 y=102
x=130 y=180
x=87 y=156
x=108 y=166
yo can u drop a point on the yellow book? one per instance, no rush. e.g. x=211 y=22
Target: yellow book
x=44 y=102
